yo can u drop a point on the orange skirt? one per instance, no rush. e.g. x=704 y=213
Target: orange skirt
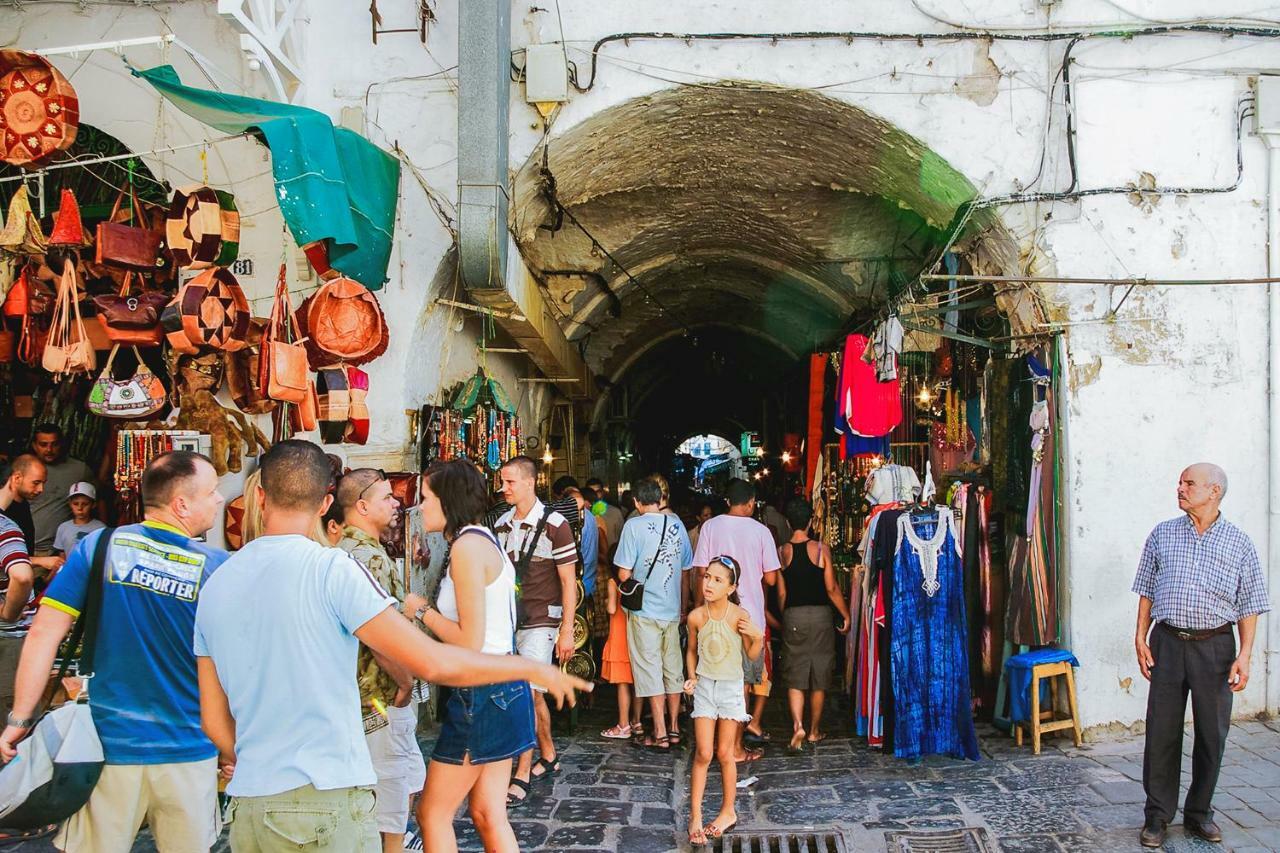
x=615 y=660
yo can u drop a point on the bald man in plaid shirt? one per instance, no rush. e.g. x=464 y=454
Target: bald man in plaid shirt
x=1199 y=575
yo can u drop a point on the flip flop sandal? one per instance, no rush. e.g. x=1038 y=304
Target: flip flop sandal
x=659 y=744
x=752 y=755
x=675 y=740
x=549 y=768
x=712 y=831
x=697 y=837
x=751 y=737
x=516 y=802
x=617 y=733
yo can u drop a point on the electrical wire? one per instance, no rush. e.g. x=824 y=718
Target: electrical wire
x=935 y=17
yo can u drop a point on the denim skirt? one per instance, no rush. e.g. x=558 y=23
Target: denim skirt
x=486 y=724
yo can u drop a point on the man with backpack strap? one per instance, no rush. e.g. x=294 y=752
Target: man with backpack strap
x=160 y=767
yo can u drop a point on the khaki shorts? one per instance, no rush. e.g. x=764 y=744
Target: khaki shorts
x=178 y=801
x=657 y=664
x=537 y=644
x=401 y=769
x=756 y=672
x=340 y=820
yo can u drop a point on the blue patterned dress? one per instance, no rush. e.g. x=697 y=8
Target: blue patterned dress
x=929 y=649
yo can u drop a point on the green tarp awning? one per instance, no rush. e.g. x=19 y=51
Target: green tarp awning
x=331 y=183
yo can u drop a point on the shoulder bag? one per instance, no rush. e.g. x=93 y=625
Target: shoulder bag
x=631 y=591
x=133 y=247
x=58 y=764
x=282 y=363
x=130 y=319
x=140 y=395
x=68 y=349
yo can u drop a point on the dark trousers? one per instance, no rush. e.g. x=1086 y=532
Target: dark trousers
x=1198 y=667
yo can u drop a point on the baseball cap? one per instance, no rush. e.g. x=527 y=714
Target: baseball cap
x=83 y=489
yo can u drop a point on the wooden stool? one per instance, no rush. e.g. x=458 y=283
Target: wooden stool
x=1045 y=721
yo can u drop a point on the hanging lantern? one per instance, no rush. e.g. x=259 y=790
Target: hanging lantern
x=39 y=111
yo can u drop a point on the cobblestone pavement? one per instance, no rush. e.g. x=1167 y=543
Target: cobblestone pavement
x=611 y=796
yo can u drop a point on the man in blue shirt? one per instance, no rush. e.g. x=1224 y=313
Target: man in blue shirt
x=1198 y=577
x=160 y=767
x=654 y=548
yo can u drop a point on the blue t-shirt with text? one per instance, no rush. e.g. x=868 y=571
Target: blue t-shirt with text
x=144 y=694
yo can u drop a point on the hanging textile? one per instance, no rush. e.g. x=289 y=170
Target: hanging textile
x=930 y=665
x=816 y=434
x=865 y=406
x=1033 y=610
x=332 y=184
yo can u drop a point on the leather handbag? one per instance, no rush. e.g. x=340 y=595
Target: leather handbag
x=131 y=319
x=323 y=358
x=282 y=361
x=129 y=246
x=22 y=234
x=335 y=404
x=304 y=416
x=242 y=373
x=140 y=395
x=68 y=349
x=631 y=590
x=16 y=302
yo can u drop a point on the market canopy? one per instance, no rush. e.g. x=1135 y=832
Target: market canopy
x=332 y=184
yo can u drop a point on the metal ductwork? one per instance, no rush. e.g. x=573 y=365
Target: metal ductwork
x=484 y=86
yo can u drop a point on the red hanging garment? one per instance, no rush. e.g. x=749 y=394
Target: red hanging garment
x=817 y=394
x=870 y=408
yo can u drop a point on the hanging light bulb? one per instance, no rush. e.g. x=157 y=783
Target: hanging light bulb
x=547 y=458
x=926 y=396
x=786 y=457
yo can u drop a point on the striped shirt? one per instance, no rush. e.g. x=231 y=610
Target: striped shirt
x=541 y=602
x=1200 y=581
x=13 y=549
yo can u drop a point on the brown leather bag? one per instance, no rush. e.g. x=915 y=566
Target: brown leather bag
x=135 y=247
x=16 y=302
x=242 y=373
x=344 y=319
x=304 y=417
x=133 y=320
x=282 y=362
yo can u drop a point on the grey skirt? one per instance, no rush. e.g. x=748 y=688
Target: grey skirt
x=808 y=647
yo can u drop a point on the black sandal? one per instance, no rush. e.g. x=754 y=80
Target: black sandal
x=516 y=802
x=549 y=768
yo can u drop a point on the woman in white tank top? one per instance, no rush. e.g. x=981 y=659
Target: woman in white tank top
x=483 y=727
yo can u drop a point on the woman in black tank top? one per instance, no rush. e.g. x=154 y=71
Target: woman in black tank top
x=808 y=593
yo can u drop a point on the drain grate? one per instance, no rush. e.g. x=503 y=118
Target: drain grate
x=823 y=841
x=967 y=840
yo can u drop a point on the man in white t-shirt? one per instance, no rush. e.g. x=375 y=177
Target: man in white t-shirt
x=738 y=535
x=276 y=636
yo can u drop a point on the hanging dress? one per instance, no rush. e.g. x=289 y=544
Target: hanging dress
x=929 y=650
x=865 y=406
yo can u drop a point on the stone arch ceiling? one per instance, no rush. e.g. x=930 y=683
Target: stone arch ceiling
x=776 y=209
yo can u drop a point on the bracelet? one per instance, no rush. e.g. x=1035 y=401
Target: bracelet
x=421 y=612
x=20 y=723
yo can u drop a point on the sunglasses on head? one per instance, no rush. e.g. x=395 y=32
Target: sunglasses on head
x=382 y=475
x=732 y=565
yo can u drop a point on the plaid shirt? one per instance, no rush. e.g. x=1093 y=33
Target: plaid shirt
x=1199 y=582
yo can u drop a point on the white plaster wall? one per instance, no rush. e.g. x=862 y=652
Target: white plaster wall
x=1179 y=376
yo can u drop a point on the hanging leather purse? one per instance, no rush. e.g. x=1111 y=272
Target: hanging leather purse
x=129 y=319
x=335 y=404
x=344 y=319
x=16 y=301
x=358 y=417
x=304 y=416
x=68 y=349
x=282 y=361
x=242 y=373
x=140 y=395
x=129 y=246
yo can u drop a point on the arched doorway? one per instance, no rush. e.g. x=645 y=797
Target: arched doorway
x=750 y=225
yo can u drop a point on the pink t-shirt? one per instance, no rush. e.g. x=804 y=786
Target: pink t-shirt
x=751 y=544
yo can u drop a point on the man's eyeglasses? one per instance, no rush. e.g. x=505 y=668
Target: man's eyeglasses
x=382 y=475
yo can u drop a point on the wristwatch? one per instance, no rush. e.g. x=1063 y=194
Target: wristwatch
x=421 y=611
x=19 y=723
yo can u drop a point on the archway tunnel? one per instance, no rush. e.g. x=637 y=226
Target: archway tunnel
x=699 y=242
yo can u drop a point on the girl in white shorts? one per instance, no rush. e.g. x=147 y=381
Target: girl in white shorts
x=719 y=630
